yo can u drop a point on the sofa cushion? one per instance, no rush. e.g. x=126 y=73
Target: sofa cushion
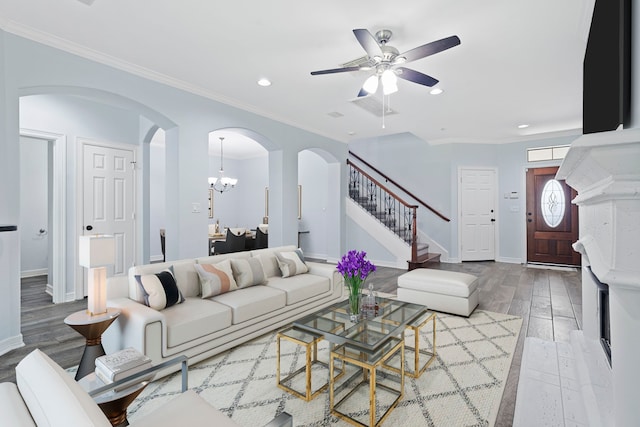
x=248 y=272
x=216 y=279
x=291 y=263
x=52 y=395
x=14 y=411
x=301 y=287
x=195 y=318
x=252 y=302
x=160 y=290
x=187 y=409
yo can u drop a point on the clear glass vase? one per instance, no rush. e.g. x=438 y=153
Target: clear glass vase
x=355 y=300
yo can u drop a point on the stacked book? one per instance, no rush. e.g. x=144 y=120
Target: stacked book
x=122 y=364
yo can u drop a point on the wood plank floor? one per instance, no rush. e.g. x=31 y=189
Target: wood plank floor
x=548 y=301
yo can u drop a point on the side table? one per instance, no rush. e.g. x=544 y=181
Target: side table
x=114 y=404
x=91 y=327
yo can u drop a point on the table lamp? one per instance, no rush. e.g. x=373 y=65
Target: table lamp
x=95 y=253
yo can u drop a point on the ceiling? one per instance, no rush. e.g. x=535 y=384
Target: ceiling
x=519 y=62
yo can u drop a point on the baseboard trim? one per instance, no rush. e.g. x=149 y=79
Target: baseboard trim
x=49 y=290
x=509 y=260
x=11 y=343
x=34 y=273
x=316 y=256
x=156 y=258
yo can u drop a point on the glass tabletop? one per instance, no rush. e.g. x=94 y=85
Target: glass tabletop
x=369 y=333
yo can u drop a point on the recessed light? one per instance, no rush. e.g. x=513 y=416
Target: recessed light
x=264 y=82
x=351 y=133
x=523 y=126
x=436 y=91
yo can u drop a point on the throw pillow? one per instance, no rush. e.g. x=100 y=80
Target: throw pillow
x=269 y=264
x=160 y=290
x=248 y=272
x=291 y=263
x=216 y=279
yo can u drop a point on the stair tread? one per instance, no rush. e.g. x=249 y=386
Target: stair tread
x=425 y=260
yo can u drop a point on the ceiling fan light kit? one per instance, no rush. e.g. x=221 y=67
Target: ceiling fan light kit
x=385 y=60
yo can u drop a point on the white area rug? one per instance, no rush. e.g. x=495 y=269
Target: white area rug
x=462 y=387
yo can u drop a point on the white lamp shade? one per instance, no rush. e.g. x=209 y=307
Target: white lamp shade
x=371 y=84
x=97 y=250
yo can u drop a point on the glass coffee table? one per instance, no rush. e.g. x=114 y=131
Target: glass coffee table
x=371 y=332
x=366 y=345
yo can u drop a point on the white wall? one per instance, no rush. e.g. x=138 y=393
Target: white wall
x=430 y=172
x=157 y=199
x=313 y=175
x=242 y=206
x=34 y=206
x=76 y=118
x=187 y=120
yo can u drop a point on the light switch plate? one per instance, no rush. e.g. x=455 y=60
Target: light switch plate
x=195 y=208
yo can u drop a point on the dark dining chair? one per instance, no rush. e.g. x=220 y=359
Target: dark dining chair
x=262 y=239
x=232 y=243
x=162 y=243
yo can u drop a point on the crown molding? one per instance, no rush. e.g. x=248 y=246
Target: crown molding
x=56 y=42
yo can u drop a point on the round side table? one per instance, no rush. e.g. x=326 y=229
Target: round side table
x=91 y=327
x=114 y=404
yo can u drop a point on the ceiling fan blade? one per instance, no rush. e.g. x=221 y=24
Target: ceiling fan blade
x=368 y=42
x=335 y=70
x=430 y=48
x=416 y=77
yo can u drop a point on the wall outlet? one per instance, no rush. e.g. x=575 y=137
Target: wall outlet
x=195 y=208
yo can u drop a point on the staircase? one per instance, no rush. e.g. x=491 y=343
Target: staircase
x=392 y=211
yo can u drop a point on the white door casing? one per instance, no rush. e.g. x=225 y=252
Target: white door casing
x=108 y=199
x=477 y=213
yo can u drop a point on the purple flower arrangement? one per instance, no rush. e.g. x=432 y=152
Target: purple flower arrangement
x=355 y=268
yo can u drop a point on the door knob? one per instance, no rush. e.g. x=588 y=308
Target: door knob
x=529 y=220
x=89 y=227
x=493 y=220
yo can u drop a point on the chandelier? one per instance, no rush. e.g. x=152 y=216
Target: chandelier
x=222 y=183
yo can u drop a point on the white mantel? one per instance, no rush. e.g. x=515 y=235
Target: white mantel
x=605 y=170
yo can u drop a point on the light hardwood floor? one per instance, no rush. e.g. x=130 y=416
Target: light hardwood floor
x=548 y=301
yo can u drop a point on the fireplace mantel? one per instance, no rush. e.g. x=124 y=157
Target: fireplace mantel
x=605 y=170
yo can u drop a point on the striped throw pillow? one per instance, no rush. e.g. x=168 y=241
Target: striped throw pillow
x=291 y=263
x=160 y=290
x=216 y=279
x=248 y=272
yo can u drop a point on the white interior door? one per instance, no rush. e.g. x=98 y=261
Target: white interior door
x=477 y=214
x=108 y=200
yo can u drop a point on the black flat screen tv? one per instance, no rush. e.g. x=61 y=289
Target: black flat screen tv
x=607 y=68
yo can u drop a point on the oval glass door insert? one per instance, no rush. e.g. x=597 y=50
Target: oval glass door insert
x=552 y=203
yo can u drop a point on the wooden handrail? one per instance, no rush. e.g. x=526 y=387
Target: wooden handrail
x=413 y=196
x=395 y=196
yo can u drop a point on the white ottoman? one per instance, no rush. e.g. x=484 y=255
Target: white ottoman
x=440 y=290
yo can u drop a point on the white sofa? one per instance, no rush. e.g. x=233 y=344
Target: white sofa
x=202 y=327
x=45 y=395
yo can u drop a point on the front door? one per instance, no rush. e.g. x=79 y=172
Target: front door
x=477 y=214
x=552 y=220
x=108 y=198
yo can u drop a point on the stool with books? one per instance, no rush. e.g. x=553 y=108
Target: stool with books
x=127 y=369
x=122 y=364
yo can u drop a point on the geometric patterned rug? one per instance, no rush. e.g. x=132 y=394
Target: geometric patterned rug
x=462 y=387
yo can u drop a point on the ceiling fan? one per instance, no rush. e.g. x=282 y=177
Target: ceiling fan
x=385 y=61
